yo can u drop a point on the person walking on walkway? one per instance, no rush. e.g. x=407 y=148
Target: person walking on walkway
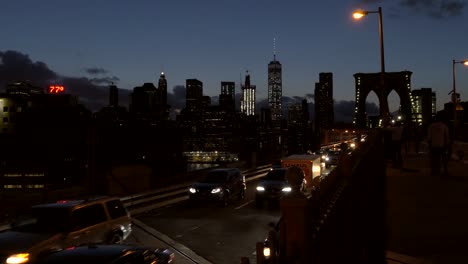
x=396 y=134
x=438 y=139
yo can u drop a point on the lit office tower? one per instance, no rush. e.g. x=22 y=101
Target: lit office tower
x=248 y=97
x=424 y=106
x=275 y=89
x=324 y=114
x=227 y=97
x=194 y=94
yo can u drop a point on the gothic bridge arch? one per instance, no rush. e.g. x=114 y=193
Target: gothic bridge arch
x=400 y=82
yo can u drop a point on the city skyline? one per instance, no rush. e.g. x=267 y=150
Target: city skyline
x=216 y=41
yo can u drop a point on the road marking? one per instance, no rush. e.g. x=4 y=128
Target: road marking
x=242 y=205
x=178 y=247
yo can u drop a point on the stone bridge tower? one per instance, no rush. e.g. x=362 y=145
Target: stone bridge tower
x=400 y=82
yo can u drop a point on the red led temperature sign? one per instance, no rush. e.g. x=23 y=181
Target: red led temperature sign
x=55 y=89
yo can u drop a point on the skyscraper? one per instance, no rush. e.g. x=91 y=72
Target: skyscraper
x=194 y=94
x=113 y=95
x=227 y=96
x=424 y=106
x=275 y=89
x=143 y=100
x=162 y=90
x=248 y=97
x=324 y=114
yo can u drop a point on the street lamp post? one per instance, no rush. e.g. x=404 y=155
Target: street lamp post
x=384 y=111
x=454 y=90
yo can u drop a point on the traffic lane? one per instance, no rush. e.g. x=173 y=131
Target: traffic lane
x=142 y=235
x=218 y=234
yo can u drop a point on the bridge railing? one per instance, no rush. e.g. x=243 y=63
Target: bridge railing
x=343 y=221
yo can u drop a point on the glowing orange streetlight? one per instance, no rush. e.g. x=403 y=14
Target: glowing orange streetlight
x=359 y=14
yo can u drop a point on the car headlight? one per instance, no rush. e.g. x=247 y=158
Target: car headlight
x=260 y=188
x=18 y=258
x=192 y=190
x=216 y=190
x=286 y=189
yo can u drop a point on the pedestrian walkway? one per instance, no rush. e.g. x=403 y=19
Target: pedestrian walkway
x=427 y=216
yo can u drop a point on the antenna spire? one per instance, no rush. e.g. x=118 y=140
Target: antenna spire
x=274 y=48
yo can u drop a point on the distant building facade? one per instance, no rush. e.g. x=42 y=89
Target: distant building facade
x=324 y=112
x=149 y=102
x=193 y=94
x=248 y=97
x=43 y=138
x=275 y=90
x=113 y=95
x=424 y=106
x=298 y=134
x=227 y=98
x=162 y=90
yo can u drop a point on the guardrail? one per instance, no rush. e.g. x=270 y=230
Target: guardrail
x=147 y=201
x=150 y=200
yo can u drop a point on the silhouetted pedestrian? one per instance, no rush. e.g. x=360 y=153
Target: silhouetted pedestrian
x=438 y=139
x=405 y=137
x=397 y=133
x=418 y=136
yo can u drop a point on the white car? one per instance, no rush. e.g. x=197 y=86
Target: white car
x=55 y=226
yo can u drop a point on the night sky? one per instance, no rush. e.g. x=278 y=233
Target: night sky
x=87 y=44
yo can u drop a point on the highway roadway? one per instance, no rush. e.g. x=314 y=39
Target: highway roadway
x=206 y=232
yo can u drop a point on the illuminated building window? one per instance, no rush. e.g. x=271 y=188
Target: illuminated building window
x=12 y=186
x=35 y=186
x=12 y=175
x=34 y=174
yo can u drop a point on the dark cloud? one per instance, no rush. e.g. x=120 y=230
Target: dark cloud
x=16 y=66
x=177 y=98
x=105 y=80
x=261 y=104
x=95 y=71
x=435 y=8
x=371 y=1
x=344 y=110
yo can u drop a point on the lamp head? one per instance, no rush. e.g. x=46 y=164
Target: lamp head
x=358 y=14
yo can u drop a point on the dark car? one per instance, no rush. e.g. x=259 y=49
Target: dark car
x=220 y=185
x=273 y=186
x=50 y=227
x=109 y=254
x=276 y=165
x=332 y=158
